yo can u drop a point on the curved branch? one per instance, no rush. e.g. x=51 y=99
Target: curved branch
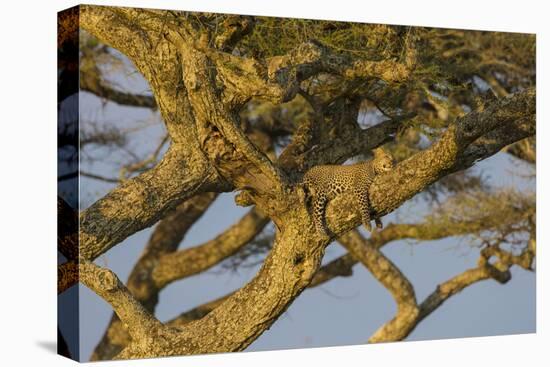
x=453 y=286
x=500 y=271
x=391 y=278
x=165 y=239
x=184 y=170
x=286 y=272
x=139 y=34
x=336 y=268
x=184 y=263
x=141 y=325
x=139 y=202
x=442 y=293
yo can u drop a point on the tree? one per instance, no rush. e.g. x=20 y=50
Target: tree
x=250 y=104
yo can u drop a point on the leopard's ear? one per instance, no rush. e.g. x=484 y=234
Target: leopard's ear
x=379 y=152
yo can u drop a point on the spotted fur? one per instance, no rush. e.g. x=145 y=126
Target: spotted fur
x=324 y=183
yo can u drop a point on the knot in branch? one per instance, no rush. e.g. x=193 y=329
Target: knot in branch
x=107 y=279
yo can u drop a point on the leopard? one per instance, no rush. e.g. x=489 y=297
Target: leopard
x=323 y=183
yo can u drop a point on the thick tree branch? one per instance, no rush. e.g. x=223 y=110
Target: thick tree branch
x=140 y=35
x=473 y=137
x=165 y=239
x=184 y=170
x=340 y=267
x=67 y=275
x=199 y=78
x=184 y=263
x=197 y=313
x=336 y=268
x=286 y=272
x=141 y=325
x=141 y=282
x=111 y=25
x=139 y=202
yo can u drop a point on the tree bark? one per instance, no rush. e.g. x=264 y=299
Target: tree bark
x=199 y=91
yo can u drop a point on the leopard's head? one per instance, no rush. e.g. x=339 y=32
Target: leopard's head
x=383 y=162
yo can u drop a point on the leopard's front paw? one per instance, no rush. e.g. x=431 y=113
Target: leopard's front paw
x=368 y=226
